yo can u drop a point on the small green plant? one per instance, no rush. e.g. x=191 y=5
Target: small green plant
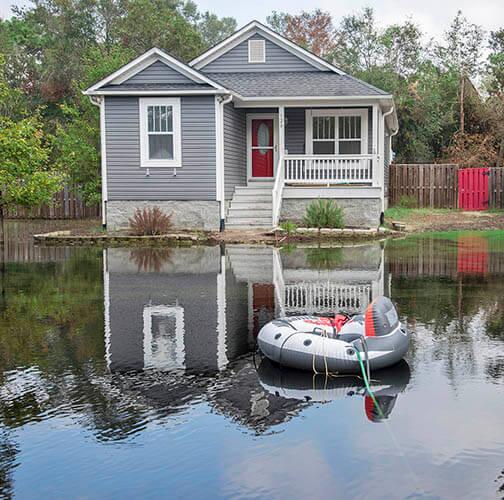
x=408 y=201
x=289 y=227
x=323 y=214
x=149 y=222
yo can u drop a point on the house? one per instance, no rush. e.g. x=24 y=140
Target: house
x=247 y=134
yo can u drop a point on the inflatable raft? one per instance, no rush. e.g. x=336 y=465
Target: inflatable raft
x=289 y=383
x=340 y=344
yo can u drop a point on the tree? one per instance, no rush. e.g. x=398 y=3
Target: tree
x=495 y=88
x=495 y=64
x=26 y=177
x=402 y=48
x=358 y=42
x=313 y=31
x=462 y=52
x=159 y=23
x=76 y=145
x=213 y=29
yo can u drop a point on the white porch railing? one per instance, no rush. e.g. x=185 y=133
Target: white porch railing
x=328 y=169
x=326 y=297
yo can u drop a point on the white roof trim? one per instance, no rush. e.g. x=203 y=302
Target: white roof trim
x=145 y=60
x=317 y=98
x=247 y=31
x=159 y=92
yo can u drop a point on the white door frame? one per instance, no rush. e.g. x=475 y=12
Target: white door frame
x=255 y=116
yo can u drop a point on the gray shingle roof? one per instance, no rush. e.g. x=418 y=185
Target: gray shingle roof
x=295 y=84
x=128 y=87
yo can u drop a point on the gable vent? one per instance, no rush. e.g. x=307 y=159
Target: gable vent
x=256 y=51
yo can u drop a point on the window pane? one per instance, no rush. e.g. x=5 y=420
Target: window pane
x=150 y=119
x=162 y=112
x=315 y=128
x=323 y=148
x=160 y=147
x=349 y=147
x=349 y=127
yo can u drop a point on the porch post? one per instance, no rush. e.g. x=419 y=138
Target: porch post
x=381 y=156
x=376 y=162
x=281 y=131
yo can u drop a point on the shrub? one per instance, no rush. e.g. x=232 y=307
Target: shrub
x=408 y=201
x=289 y=227
x=149 y=222
x=323 y=214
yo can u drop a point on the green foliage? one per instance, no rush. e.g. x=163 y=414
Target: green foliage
x=323 y=214
x=324 y=258
x=408 y=201
x=289 y=227
x=149 y=222
x=26 y=176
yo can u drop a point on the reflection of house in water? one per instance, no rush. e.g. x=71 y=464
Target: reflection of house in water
x=307 y=280
x=175 y=316
x=197 y=310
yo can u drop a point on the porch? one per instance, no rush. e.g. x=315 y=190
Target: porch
x=301 y=153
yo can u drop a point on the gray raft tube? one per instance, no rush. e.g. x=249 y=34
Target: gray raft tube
x=311 y=343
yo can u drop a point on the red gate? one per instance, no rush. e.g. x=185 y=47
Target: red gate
x=473 y=188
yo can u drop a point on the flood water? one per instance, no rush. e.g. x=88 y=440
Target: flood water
x=130 y=373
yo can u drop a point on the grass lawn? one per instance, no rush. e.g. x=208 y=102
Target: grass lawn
x=445 y=219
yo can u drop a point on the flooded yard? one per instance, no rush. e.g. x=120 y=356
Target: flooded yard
x=132 y=373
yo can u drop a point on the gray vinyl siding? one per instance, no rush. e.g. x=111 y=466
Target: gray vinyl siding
x=127 y=180
x=277 y=59
x=235 y=149
x=295 y=131
x=158 y=72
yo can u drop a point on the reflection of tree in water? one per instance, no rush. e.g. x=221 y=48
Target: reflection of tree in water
x=150 y=259
x=454 y=288
x=8 y=452
x=324 y=258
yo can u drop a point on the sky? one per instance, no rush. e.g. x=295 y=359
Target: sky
x=433 y=16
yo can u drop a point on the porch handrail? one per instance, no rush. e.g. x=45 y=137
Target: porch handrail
x=277 y=191
x=329 y=169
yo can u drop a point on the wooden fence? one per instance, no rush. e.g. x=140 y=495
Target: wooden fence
x=436 y=185
x=65 y=205
x=496 y=188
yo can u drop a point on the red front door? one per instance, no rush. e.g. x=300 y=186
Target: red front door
x=262 y=147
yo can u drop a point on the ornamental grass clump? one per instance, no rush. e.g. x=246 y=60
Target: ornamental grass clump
x=149 y=222
x=323 y=214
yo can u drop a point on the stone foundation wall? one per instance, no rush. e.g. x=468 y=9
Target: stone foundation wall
x=357 y=212
x=185 y=214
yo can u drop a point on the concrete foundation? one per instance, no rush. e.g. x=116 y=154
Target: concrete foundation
x=185 y=214
x=357 y=212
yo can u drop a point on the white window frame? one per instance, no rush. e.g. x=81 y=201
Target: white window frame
x=261 y=42
x=363 y=113
x=145 y=161
x=159 y=360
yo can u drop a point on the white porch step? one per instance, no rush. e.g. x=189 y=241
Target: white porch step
x=251 y=264
x=263 y=222
x=252 y=191
x=251 y=206
x=240 y=213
